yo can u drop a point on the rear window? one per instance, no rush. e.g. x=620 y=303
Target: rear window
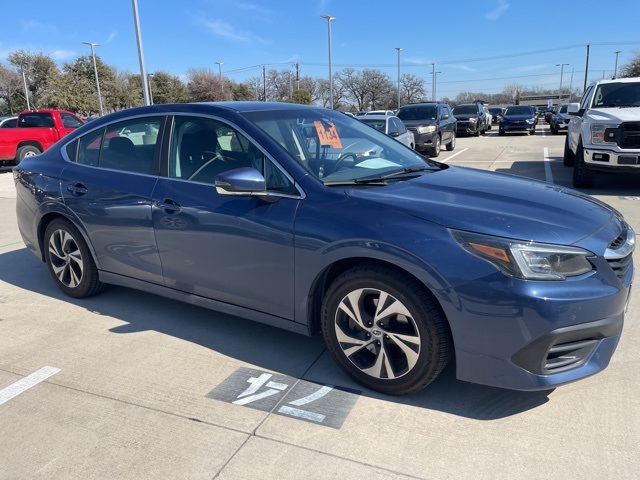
x=35 y=120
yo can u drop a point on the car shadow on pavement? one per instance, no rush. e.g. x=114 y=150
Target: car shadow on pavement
x=259 y=345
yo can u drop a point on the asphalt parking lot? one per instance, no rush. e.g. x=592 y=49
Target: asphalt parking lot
x=129 y=385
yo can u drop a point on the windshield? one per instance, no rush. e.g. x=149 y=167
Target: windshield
x=417 y=113
x=465 y=110
x=617 y=95
x=519 y=110
x=495 y=111
x=336 y=148
x=375 y=123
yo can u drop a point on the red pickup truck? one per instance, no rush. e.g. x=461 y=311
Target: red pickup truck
x=36 y=131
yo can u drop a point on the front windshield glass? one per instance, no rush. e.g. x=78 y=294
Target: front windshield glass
x=377 y=124
x=519 y=110
x=617 y=95
x=336 y=148
x=465 y=110
x=428 y=112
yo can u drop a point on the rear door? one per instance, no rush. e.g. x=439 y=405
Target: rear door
x=108 y=185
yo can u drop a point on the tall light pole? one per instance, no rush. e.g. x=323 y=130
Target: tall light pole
x=143 y=71
x=398 y=49
x=150 y=89
x=221 y=84
x=435 y=82
x=26 y=90
x=95 y=70
x=329 y=19
x=561 y=65
x=615 y=70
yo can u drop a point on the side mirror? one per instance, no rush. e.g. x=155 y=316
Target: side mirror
x=244 y=182
x=394 y=134
x=574 y=109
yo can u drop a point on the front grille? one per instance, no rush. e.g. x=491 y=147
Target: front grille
x=620 y=251
x=629 y=135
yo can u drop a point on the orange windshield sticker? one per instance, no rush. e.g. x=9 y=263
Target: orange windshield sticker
x=328 y=134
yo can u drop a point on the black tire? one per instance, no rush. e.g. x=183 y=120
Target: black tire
x=532 y=131
x=554 y=131
x=477 y=132
x=435 y=150
x=582 y=176
x=69 y=260
x=395 y=353
x=500 y=132
x=26 y=151
x=569 y=157
x=452 y=144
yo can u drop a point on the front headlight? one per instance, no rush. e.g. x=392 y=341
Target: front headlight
x=473 y=120
x=598 y=133
x=530 y=120
x=426 y=129
x=528 y=260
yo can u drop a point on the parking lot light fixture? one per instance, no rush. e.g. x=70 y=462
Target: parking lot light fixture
x=221 y=84
x=26 y=90
x=435 y=82
x=561 y=65
x=615 y=70
x=398 y=49
x=95 y=70
x=329 y=19
x=143 y=70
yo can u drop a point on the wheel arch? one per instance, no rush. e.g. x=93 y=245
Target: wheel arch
x=324 y=279
x=49 y=217
x=30 y=143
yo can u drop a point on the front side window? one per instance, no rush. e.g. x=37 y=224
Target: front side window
x=202 y=148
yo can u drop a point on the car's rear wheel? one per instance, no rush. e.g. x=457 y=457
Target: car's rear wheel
x=452 y=144
x=384 y=330
x=583 y=177
x=437 y=145
x=69 y=260
x=26 y=151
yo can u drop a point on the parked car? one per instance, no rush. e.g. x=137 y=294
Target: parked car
x=604 y=132
x=518 y=118
x=488 y=117
x=496 y=113
x=400 y=261
x=8 y=122
x=559 y=118
x=391 y=126
x=379 y=112
x=432 y=125
x=36 y=131
x=471 y=118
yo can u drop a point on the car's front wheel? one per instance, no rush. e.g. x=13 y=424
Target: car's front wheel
x=583 y=177
x=384 y=330
x=437 y=145
x=452 y=144
x=69 y=260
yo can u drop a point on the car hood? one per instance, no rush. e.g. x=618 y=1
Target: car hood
x=465 y=116
x=418 y=123
x=517 y=118
x=616 y=114
x=494 y=204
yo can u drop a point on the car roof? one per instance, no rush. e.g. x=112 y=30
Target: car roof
x=376 y=117
x=616 y=80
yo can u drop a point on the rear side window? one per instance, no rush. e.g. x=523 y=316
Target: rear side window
x=35 y=119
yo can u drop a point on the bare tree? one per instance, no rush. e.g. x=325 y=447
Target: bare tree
x=203 y=85
x=10 y=85
x=514 y=92
x=412 y=88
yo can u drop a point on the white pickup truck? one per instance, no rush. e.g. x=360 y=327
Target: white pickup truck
x=604 y=131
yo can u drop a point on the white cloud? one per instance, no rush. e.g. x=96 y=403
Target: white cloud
x=112 y=36
x=223 y=29
x=529 y=68
x=499 y=11
x=63 y=54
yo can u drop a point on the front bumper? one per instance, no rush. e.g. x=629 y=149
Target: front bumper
x=466 y=127
x=517 y=126
x=612 y=159
x=534 y=335
x=424 y=141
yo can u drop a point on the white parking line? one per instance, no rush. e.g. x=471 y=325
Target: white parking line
x=547 y=167
x=26 y=383
x=454 y=155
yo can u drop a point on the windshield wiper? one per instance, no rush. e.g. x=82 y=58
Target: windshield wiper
x=382 y=179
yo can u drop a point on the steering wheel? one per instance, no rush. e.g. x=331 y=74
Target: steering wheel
x=342 y=158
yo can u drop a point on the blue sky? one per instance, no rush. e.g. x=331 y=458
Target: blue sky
x=479 y=45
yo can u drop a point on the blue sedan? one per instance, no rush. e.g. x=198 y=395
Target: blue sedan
x=518 y=118
x=306 y=219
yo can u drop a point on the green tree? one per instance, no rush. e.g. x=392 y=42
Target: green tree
x=76 y=88
x=41 y=74
x=302 y=97
x=631 y=69
x=242 y=91
x=167 y=88
x=10 y=91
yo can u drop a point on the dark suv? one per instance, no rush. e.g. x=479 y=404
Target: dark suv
x=432 y=125
x=471 y=118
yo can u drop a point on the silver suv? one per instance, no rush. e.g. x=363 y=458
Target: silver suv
x=604 y=130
